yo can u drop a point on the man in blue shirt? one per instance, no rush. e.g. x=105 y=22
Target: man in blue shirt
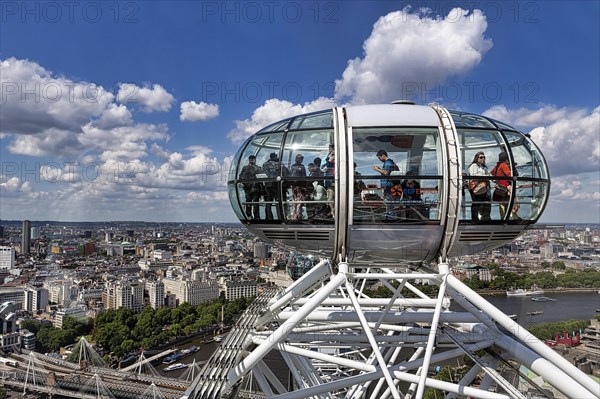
x=386 y=184
x=386 y=169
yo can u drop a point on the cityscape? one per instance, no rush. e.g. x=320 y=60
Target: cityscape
x=55 y=273
x=299 y=199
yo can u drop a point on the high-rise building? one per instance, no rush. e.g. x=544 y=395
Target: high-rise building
x=62 y=292
x=156 y=293
x=89 y=248
x=124 y=294
x=239 y=289
x=26 y=238
x=194 y=292
x=7 y=258
x=35 y=232
x=36 y=298
x=261 y=250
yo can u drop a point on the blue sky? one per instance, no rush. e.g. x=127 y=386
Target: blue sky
x=132 y=110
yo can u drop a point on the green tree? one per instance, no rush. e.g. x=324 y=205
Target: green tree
x=129 y=346
x=559 y=265
x=30 y=325
x=163 y=316
x=125 y=317
x=545 y=264
x=443 y=375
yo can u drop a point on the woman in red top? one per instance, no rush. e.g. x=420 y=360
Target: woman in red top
x=503 y=187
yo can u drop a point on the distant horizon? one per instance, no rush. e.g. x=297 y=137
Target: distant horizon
x=16 y=221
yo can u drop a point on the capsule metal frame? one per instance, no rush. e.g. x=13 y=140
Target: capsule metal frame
x=430 y=145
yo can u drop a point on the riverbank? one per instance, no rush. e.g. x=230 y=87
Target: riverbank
x=184 y=339
x=558 y=290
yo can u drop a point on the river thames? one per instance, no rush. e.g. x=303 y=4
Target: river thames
x=567 y=306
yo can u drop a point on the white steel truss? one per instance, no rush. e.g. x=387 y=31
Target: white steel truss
x=339 y=343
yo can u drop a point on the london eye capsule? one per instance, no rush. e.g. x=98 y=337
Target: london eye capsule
x=391 y=183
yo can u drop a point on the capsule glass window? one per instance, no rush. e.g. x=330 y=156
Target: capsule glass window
x=306 y=176
x=409 y=189
x=258 y=189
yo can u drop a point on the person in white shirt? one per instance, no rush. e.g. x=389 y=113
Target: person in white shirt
x=481 y=206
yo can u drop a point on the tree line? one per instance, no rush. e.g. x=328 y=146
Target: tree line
x=120 y=331
x=503 y=280
x=51 y=339
x=549 y=330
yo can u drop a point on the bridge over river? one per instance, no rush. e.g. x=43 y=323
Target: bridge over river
x=34 y=372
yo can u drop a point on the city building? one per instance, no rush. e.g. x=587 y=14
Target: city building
x=36 y=298
x=10 y=342
x=62 y=292
x=26 y=238
x=156 y=293
x=9 y=337
x=7 y=258
x=170 y=300
x=28 y=339
x=159 y=254
x=124 y=294
x=261 y=250
x=465 y=270
x=239 y=289
x=90 y=294
x=194 y=292
x=12 y=294
x=7 y=317
x=79 y=313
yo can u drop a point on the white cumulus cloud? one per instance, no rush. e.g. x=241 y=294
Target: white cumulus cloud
x=13 y=186
x=114 y=116
x=272 y=111
x=122 y=143
x=403 y=49
x=192 y=111
x=154 y=98
x=569 y=138
x=36 y=101
x=409 y=49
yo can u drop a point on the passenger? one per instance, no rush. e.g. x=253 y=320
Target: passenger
x=298 y=188
x=411 y=198
x=503 y=188
x=272 y=168
x=317 y=171
x=317 y=162
x=298 y=169
x=252 y=190
x=329 y=171
x=481 y=206
x=315 y=189
x=359 y=185
x=411 y=189
x=331 y=151
x=386 y=184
